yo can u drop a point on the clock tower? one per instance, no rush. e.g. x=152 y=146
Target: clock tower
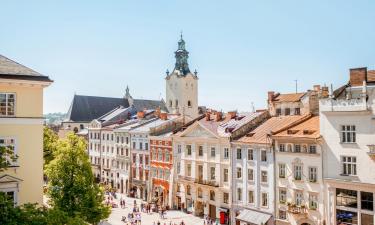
x=182 y=85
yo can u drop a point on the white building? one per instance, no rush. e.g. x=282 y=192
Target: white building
x=347 y=122
x=182 y=86
x=203 y=163
x=299 y=173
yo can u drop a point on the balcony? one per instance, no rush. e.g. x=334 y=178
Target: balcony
x=121 y=157
x=342 y=105
x=180 y=177
x=371 y=153
x=206 y=182
x=296 y=209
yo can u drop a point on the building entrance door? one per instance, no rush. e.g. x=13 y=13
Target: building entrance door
x=212 y=212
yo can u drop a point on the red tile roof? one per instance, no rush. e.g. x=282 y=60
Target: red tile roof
x=308 y=128
x=288 y=97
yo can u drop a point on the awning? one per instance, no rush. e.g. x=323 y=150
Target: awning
x=253 y=217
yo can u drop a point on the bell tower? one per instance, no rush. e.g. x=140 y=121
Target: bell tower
x=182 y=85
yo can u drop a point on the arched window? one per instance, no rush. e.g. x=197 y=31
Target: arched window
x=189 y=103
x=199 y=192
x=170 y=103
x=212 y=195
x=176 y=103
x=188 y=190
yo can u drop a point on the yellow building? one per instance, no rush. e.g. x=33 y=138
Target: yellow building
x=21 y=128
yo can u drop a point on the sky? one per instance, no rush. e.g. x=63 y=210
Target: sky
x=241 y=49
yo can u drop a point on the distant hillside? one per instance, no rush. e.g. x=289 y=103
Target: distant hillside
x=54 y=118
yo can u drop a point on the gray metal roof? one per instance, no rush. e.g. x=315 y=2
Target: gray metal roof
x=10 y=69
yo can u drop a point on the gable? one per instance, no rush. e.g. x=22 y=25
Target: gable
x=198 y=131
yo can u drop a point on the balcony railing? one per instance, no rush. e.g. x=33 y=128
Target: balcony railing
x=296 y=209
x=121 y=157
x=342 y=105
x=206 y=182
x=371 y=153
x=185 y=178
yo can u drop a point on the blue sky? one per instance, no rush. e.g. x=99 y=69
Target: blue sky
x=241 y=49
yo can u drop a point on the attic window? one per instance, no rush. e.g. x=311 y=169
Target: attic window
x=308 y=132
x=292 y=131
x=239 y=117
x=250 y=134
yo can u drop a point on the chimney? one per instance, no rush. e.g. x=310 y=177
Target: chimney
x=316 y=87
x=218 y=116
x=208 y=116
x=140 y=114
x=231 y=114
x=357 y=76
x=163 y=116
x=270 y=96
x=325 y=92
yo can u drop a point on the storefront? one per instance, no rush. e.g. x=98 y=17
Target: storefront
x=199 y=208
x=224 y=215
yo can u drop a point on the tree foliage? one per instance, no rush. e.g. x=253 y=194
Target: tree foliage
x=7 y=156
x=31 y=214
x=50 y=140
x=71 y=184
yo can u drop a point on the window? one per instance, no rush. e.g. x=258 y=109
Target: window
x=134 y=145
x=297 y=148
x=178 y=148
x=264 y=199
x=160 y=155
x=313 y=201
x=239 y=153
x=239 y=194
x=200 y=150
x=287 y=111
x=251 y=197
x=212 y=195
x=289 y=148
x=250 y=174
x=188 y=190
x=226 y=153
x=155 y=155
x=299 y=198
x=239 y=172
x=200 y=193
x=225 y=198
x=212 y=172
x=170 y=103
x=347 y=217
x=226 y=175
x=281 y=148
x=176 y=103
x=146 y=146
x=189 y=170
x=282 y=214
x=189 y=103
x=278 y=112
x=117 y=139
x=346 y=198
x=349 y=165
x=282 y=196
x=188 y=149
x=11 y=196
x=297 y=111
x=297 y=172
x=312 y=149
x=127 y=140
x=263 y=156
x=10 y=144
x=213 y=151
x=7 y=104
x=348 y=134
x=178 y=167
x=312 y=174
x=167 y=158
x=264 y=177
x=250 y=154
x=282 y=170
x=141 y=145
x=367 y=219
x=367 y=201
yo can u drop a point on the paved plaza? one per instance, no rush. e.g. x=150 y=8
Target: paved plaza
x=173 y=216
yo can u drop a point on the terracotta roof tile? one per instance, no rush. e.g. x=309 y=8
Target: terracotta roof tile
x=371 y=75
x=305 y=129
x=259 y=135
x=288 y=97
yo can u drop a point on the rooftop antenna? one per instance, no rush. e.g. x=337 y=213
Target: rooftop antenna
x=296 y=85
x=181 y=34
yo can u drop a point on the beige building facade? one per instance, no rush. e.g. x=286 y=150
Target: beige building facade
x=21 y=129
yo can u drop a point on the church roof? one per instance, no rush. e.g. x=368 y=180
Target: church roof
x=10 y=69
x=87 y=108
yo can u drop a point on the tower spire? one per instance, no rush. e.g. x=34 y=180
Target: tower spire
x=182 y=56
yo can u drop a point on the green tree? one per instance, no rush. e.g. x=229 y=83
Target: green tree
x=7 y=156
x=71 y=184
x=50 y=139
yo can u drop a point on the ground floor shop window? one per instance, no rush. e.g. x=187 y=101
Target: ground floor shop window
x=367 y=219
x=347 y=198
x=367 y=201
x=346 y=217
